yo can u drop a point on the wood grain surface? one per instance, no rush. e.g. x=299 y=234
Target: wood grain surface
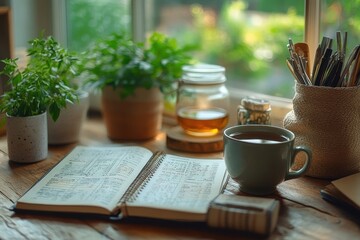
x=303 y=215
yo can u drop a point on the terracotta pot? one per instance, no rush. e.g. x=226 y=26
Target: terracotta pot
x=136 y=117
x=67 y=127
x=27 y=138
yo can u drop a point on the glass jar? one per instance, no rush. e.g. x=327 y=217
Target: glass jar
x=202 y=100
x=254 y=111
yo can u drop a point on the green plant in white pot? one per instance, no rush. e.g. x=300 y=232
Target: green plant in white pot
x=133 y=78
x=34 y=90
x=48 y=54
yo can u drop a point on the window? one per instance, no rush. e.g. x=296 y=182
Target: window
x=248 y=37
x=74 y=23
x=341 y=15
x=89 y=20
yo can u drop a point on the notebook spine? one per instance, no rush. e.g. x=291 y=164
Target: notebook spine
x=143 y=178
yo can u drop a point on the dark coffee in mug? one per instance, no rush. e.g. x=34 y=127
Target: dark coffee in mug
x=265 y=162
x=259 y=137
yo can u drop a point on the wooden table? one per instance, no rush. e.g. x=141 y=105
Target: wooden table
x=303 y=215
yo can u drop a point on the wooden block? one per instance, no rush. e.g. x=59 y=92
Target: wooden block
x=177 y=139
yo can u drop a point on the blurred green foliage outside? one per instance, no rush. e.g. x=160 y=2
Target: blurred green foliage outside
x=248 y=37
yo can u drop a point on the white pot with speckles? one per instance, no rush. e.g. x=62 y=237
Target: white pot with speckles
x=27 y=138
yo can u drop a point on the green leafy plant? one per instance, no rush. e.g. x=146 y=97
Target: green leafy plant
x=122 y=63
x=43 y=85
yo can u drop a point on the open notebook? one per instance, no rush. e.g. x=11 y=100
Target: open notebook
x=130 y=181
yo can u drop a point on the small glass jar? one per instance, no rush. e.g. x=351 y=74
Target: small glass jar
x=254 y=111
x=202 y=100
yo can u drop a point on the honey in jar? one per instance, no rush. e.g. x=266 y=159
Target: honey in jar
x=202 y=100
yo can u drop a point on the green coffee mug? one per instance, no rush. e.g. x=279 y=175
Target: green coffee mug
x=259 y=157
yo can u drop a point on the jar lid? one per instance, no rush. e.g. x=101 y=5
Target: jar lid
x=255 y=104
x=203 y=74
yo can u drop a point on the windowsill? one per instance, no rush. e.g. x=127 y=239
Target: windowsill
x=279 y=107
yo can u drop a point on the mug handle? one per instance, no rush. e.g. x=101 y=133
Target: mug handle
x=304 y=168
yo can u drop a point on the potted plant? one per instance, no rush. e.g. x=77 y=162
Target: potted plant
x=47 y=53
x=133 y=78
x=67 y=128
x=35 y=90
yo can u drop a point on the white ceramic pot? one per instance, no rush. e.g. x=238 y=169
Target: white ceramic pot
x=67 y=127
x=27 y=138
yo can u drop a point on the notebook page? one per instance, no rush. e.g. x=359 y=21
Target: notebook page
x=183 y=184
x=90 y=176
x=350 y=187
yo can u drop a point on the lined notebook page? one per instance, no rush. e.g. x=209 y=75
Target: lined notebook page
x=89 y=176
x=183 y=184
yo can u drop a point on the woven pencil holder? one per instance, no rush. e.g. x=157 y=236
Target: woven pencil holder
x=327 y=120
